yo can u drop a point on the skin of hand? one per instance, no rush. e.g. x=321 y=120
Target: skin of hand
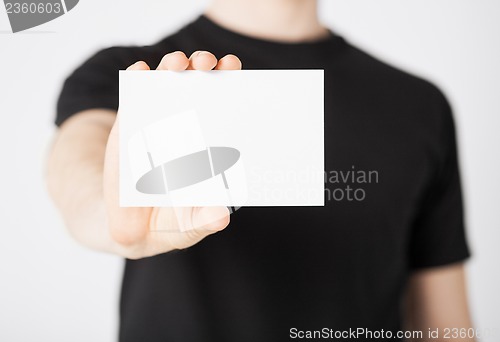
x=83 y=181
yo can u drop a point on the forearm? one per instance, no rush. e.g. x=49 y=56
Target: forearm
x=437 y=299
x=75 y=176
x=83 y=176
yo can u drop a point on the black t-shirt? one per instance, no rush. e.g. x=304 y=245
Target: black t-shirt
x=393 y=205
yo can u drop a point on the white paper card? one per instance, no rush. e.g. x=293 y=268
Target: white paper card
x=221 y=138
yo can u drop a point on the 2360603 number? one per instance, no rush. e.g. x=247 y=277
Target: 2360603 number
x=462 y=333
x=32 y=8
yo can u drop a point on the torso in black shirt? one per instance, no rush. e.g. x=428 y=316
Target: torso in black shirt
x=340 y=266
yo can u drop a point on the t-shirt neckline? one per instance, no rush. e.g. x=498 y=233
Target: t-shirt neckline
x=208 y=26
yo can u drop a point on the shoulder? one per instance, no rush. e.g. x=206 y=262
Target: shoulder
x=391 y=79
x=383 y=89
x=94 y=83
x=120 y=57
x=124 y=56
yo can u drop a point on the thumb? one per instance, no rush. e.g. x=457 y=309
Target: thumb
x=194 y=224
x=210 y=219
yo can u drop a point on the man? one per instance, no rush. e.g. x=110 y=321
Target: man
x=390 y=261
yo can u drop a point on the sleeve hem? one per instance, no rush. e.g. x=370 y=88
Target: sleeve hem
x=62 y=117
x=441 y=262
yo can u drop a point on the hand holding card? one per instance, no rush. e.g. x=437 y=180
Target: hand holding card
x=146 y=231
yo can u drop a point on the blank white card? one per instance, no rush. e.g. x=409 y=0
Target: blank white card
x=221 y=138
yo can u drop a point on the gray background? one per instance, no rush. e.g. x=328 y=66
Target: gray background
x=50 y=287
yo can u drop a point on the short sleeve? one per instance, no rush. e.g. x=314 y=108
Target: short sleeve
x=438 y=235
x=94 y=84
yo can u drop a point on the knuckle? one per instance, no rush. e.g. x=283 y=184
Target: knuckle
x=195 y=235
x=126 y=236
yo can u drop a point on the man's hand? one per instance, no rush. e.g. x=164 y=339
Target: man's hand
x=83 y=180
